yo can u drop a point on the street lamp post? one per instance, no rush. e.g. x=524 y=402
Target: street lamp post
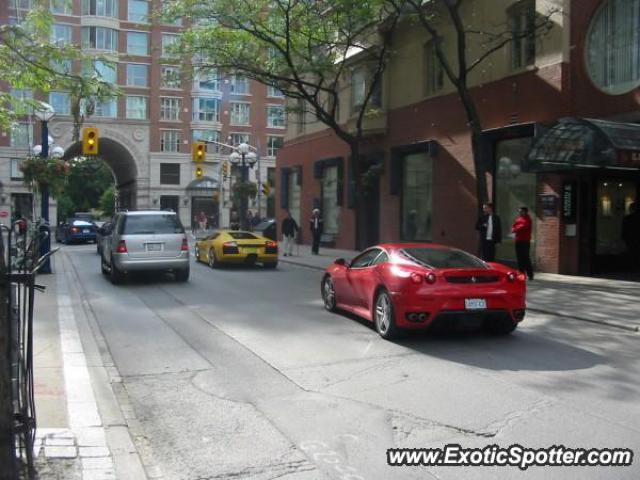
x=246 y=159
x=44 y=114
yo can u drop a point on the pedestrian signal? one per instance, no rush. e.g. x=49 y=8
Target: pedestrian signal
x=90 y=141
x=198 y=153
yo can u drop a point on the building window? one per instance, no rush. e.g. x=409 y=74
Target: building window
x=20 y=97
x=514 y=188
x=239 y=85
x=170 y=76
x=170 y=108
x=417 y=181
x=206 y=80
x=613 y=47
x=137 y=43
x=106 y=108
x=168 y=41
x=100 y=38
x=62 y=34
x=61 y=66
x=100 y=8
x=21 y=135
x=236 y=139
x=170 y=174
x=137 y=107
x=275 y=116
x=360 y=85
x=165 y=19
x=170 y=202
x=206 y=135
x=274 y=92
x=138 y=11
x=206 y=109
x=301 y=115
x=61 y=7
x=522 y=18
x=240 y=113
x=106 y=71
x=271 y=199
x=273 y=145
x=16 y=173
x=330 y=209
x=434 y=73
x=61 y=102
x=170 y=141
x=137 y=75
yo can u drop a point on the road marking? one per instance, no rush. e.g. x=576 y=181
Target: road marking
x=84 y=419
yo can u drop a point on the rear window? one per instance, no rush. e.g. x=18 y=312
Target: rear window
x=242 y=236
x=443 y=258
x=150 y=224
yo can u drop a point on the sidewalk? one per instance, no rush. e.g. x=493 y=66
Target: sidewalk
x=615 y=303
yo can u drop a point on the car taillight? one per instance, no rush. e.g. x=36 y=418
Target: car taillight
x=75 y=229
x=122 y=247
x=271 y=245
x=230 y=244
x=185 y=245
x=513 y=276
x=415 y=278
x=430 y=278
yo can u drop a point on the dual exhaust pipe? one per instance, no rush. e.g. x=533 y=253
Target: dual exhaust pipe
x=417 y=317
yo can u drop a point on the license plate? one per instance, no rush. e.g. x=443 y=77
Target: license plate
x=250 y=250
x=86 y=230
x=154 y=247
x=475 y=303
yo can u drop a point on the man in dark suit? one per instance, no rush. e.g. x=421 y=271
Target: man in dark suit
x=490 y=232
x=316 y=225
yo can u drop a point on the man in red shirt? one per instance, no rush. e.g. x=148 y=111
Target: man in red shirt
x=522 y=231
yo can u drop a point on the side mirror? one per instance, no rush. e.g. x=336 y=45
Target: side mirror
x=340 y=261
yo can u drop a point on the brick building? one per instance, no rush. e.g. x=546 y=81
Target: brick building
x=146 y=134
x=579 y=177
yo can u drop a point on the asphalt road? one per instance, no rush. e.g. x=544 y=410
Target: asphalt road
x=241 y=373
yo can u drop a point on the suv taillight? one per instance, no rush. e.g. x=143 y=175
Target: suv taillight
x=185 y=245
x=122 y=247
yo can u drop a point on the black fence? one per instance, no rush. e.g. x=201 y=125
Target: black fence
x=20 y=260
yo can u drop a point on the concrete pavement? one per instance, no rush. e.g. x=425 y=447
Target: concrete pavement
x=615 y=303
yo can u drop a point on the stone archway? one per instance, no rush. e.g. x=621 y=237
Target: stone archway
x=124 y=150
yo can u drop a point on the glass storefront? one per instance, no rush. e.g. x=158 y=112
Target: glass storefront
x=417 y=182
x=514 y=189
x=330 y=209
x=294 y=197
x=614 y=199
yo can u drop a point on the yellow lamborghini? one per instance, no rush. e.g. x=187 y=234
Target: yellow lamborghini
x=235 y=246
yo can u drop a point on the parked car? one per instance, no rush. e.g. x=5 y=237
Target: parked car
x=75 y=230
x=423 y=285
x=267 y=228
x=101 y=230
x=146 y=240
x=236 y=246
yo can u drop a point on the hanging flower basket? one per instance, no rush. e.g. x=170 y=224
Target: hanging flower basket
x=52 y=172
x=245 y=190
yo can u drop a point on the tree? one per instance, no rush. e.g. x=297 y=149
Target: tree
x=435 y=17
x=88 y=181
x=304 y=49
x=108 y=202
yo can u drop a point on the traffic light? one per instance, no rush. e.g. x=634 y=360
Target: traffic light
x=225 y=170
x=266 y=189
x=198 y=151
x=90 y=141
x=199 y=172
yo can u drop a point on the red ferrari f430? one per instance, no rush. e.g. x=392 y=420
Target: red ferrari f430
x=421 y=285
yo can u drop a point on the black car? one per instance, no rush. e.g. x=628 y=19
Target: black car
x=267 y=228
x=76 y=230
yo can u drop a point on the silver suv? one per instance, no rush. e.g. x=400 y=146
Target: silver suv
x=146 y=240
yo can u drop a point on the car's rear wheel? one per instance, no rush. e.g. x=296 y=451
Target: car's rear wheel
x=213 y=261
x=117 y=277
x=329 y=294
x=502 y=326
x=270 y=265
x=182 y=275
x=384 y=316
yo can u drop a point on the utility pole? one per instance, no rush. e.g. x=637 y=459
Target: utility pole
x=7 y=455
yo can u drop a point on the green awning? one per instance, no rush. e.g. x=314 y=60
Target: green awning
x=585 y=143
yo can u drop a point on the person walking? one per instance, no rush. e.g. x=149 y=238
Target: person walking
x=490 y=232
x=202 y=221
x=315 y=223
x=521 y=229
x=289 y=231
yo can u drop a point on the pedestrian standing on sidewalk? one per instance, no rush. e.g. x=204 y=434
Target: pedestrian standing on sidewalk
x=289 y=231
x=522 y=234
x=315 y=223
x=490 y=232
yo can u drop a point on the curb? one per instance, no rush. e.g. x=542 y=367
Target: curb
x=608 y=323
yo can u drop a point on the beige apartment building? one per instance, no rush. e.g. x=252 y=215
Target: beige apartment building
x=146 y=134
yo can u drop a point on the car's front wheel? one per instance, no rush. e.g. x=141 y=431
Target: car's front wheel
x=329 y=294
x=384 y=316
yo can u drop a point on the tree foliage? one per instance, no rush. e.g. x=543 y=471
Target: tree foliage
x=87 y=182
